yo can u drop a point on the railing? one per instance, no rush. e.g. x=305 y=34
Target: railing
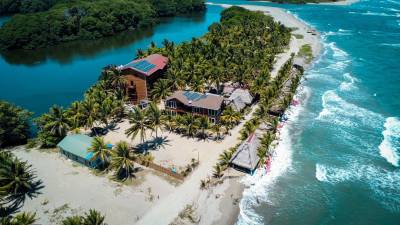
x=161 y=169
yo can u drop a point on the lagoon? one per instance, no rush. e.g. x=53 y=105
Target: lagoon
x=37 y=79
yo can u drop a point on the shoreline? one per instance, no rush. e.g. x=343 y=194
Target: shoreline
x=224 y=204
x=339 y=3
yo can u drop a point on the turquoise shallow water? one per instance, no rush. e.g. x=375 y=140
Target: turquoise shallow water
x=338 y=160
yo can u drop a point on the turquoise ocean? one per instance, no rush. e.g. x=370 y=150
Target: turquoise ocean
x=338 y=161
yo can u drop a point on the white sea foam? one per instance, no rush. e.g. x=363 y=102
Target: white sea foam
x=337 y=52
x=338 y=111
x=259 y=184
x=348 y=83
x=389 y=148
x=328 y=174
x=397 y=45
x=384 y=184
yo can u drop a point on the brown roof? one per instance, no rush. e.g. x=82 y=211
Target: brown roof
x=196 y=99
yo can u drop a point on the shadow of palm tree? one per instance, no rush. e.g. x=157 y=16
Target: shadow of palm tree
x=14 y=202
x=153 y=145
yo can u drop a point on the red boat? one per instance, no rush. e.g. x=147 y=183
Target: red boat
x=268 y=165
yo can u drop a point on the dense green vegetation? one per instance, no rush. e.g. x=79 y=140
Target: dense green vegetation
x=87 y=20
x=14 y=124
x=17 y=182
x=92 y=217
x=26 y=6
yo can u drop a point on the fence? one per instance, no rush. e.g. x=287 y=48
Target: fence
x=161 y=169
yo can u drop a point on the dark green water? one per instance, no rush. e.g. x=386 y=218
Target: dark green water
x=59 y=75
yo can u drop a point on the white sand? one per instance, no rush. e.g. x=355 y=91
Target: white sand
x=187 y=193
x=69 y=183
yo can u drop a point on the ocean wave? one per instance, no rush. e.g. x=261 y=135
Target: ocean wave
x=369 y=13
x=348 y=83
x=391 y=141
x=340 y=32
x=259 y=184
x=384 y=184
x=337 y=52
x=397 y=45
x=338 y=111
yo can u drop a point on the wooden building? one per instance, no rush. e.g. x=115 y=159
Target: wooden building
x=209 y=105
x=141 y=74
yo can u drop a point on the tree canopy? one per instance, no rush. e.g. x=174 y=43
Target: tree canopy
x=14 y=124
x=87 y=20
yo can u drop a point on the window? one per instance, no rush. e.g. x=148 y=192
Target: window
x=196 y=110
x=131 y=83
x=171 y=104
x=212 y=112
x=212 y=120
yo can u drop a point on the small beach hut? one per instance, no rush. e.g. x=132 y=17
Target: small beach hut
x=76 y=147
x=245 y=158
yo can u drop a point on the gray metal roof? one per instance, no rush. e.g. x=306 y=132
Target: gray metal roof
x=246 y=154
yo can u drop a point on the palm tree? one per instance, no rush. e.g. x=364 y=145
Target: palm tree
x=218 y=129
x=74 y=114
x=169 y=122
x=17 y=180
x=139 y=124
x=204 y=124
x=217 y=173
x=58 y=123
x=225 y=158
x=24 y=219
x=93 y=218
x=161 y=90
x=122 y=160
x=89 y=112
x=73 y=220
x=100 y=151
x=189 y=124
x=229 y=117
x=154 y=116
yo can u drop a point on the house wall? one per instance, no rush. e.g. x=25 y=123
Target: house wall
x=182 y=108
x=79 y=159
x=140 y=85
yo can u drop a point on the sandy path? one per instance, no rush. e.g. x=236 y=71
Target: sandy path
x=72 y=189
x=169 y=207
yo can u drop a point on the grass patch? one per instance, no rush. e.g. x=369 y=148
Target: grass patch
x=298 y=36
x=306 y=52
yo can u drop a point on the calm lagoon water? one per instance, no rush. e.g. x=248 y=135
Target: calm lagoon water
x=60 y=75
x=338 y=161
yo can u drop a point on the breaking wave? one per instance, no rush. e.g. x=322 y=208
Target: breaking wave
x=383 y=183
x=338 y=111
x=389 y=148
x=259 y=184
x=348 y=83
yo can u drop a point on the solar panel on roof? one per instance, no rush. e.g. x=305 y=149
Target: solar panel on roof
x=193 y=96
x=143 y=65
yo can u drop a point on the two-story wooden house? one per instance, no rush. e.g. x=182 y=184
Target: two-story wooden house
x=141 y=74
x=209 y=105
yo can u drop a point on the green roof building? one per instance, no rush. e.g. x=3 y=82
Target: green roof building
x=76 y=147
